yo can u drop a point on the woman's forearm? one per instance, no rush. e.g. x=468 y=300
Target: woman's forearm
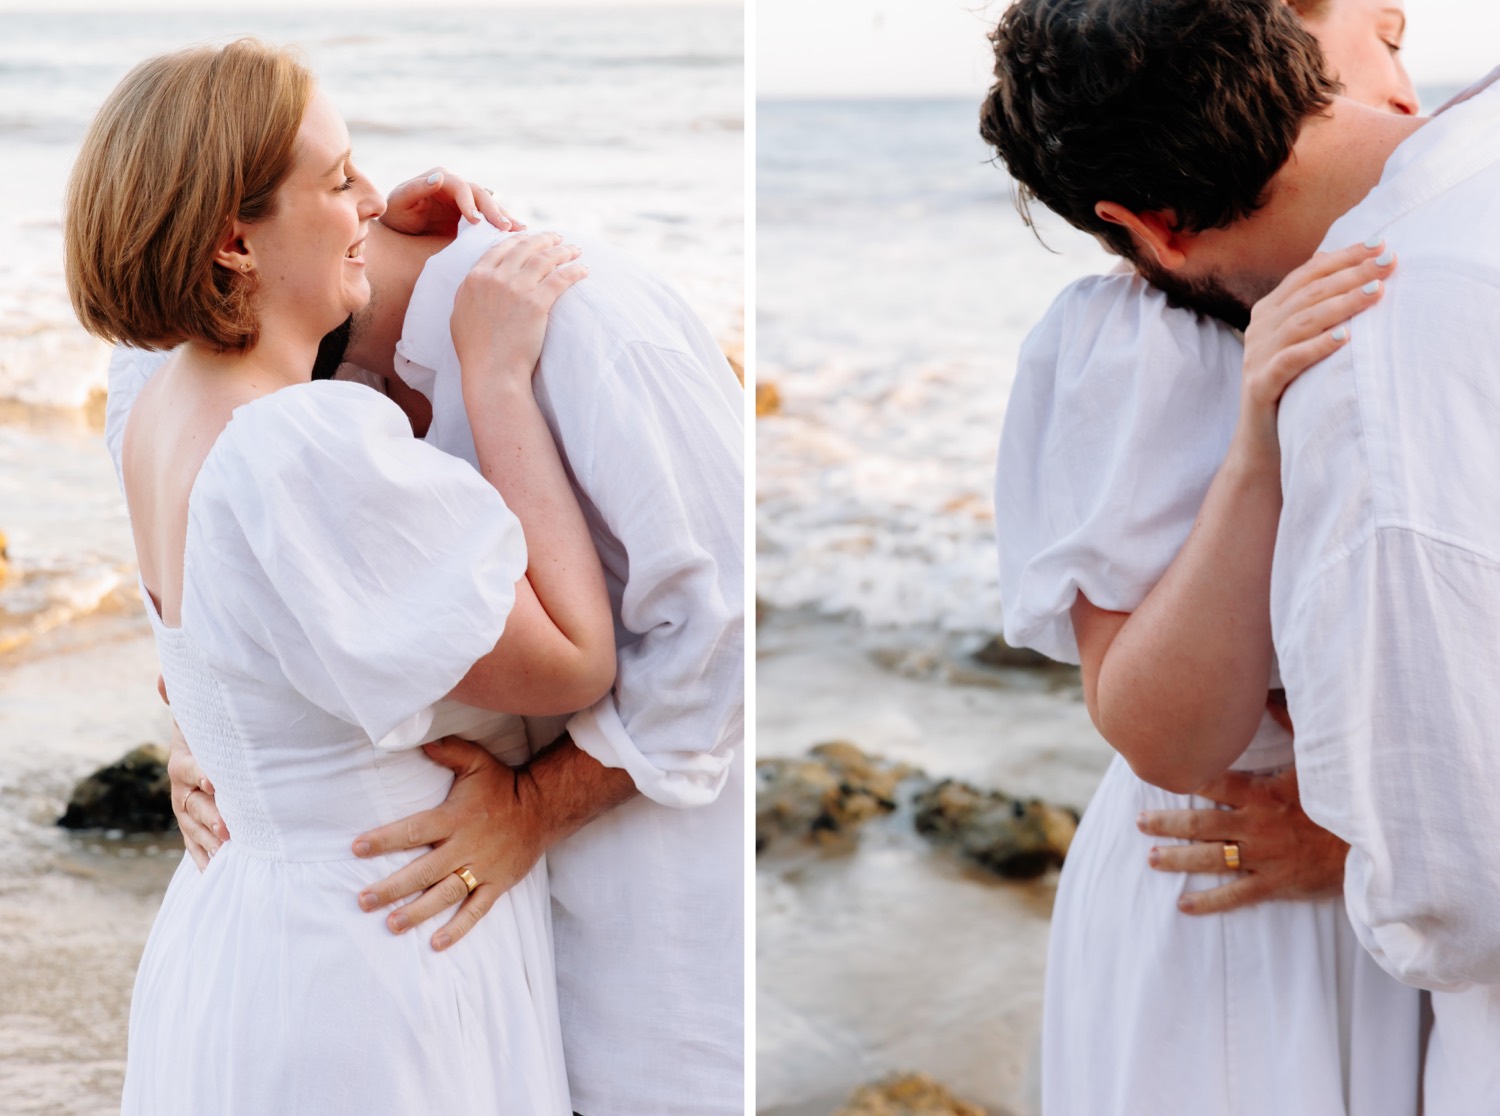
x=1178 y=687
x=558 y=648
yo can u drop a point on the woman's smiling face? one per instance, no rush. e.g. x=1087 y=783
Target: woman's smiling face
x=307 y=255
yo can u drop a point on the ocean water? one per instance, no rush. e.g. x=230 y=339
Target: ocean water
x=874 y=481
x=623 y=123
x=895 y=285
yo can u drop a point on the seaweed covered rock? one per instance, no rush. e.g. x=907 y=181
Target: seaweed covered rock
x=1012 y=837
x=132 y=794
x=907 y=1094
x=824 y=795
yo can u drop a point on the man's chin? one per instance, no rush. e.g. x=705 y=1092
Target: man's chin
x=1207 y=294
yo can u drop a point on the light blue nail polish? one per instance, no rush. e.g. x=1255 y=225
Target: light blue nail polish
x=436 y=177
x=1340 y=333
x=1385 y=258
x=1371 y=287
x=1374 y=241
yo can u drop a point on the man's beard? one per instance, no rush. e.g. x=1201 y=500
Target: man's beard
x=331 y=350
x=1208 y=294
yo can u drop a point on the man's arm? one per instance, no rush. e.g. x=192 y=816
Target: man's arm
x=497 y=821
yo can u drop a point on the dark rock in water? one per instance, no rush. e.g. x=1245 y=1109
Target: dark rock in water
x=132 y=794
x=1012 y=837
x=907 y=1094
x=824 y=795
x=998 y=653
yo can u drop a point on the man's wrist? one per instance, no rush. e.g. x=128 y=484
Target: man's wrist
x=569 y=789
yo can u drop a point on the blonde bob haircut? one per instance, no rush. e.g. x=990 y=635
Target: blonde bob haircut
x=186 y=144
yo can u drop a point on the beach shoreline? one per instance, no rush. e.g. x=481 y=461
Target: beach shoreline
x=891 y=955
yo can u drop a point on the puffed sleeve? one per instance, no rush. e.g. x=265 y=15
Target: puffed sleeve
x=1120 y=415
x=362 y=565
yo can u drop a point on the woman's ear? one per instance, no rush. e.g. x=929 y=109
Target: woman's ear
x=233 y=252
x=1154 y=232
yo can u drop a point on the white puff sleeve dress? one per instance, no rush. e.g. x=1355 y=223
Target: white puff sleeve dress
x=339 y=578
x=1121 y=414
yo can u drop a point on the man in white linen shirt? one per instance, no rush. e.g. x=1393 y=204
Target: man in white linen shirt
x=647 y=894
x=1386 y=584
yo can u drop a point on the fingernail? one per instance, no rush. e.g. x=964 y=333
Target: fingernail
x=1153 y=856
x=437 y=176
x=1340 y=333
x=1186 y=904
x=1385 y=258
x=441 y=941
x=368 y=900
x=205 y=786
x=399 y=922
x=361 y=847
x=1375 y=241
x=1140 y=820
x=474 y=216
x=1371 y=287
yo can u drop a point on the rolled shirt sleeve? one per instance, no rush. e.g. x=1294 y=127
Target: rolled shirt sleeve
x=676 y=714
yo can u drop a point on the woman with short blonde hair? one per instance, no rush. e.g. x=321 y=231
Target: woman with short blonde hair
x=319 y=581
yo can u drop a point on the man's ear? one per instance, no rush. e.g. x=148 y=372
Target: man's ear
x=1153 y=231
x=233 y=252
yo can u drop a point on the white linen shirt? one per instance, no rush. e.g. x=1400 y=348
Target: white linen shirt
x=648 y=901
x=1386 y=589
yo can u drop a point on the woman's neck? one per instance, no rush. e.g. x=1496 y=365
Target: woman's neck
x=279 y=359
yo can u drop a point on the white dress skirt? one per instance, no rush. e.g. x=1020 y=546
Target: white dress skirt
x=1121 y=414
x=340 y=577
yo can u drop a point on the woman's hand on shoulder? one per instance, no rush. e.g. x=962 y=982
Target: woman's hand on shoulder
x=432 y=203
x=1303 y=321
x=501 y=311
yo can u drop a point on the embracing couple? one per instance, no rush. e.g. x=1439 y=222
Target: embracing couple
x=520 y=494
x=1249 y=483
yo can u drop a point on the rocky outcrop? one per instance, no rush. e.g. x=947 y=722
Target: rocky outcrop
x=1012 y=837
x=767 y=399
x=907 y=1094
x=825 y=795
x=133 y=794
x=998 y=653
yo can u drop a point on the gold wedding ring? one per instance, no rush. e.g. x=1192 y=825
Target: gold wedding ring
x=1231 y=857
x=468 y=878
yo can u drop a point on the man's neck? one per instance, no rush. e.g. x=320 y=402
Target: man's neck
x=1338 y=159
x=394 y=262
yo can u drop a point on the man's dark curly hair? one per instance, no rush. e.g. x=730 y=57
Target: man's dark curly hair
x=1190 y=106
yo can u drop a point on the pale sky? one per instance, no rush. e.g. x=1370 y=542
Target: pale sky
x=869 y=48
x=416 y=6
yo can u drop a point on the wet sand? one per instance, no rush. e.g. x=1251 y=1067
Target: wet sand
x=894 y=956
x=75 y=909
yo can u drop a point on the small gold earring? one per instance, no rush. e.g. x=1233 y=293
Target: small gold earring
x=244 y=267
